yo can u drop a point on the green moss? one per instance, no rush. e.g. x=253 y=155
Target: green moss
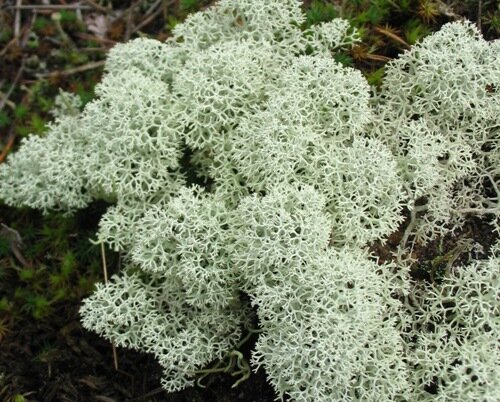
x=415 y=31
x=41 y=23
x=38 y=306
x=375 y=77
x=20 y=112
x=344 y=59
x=68 y=16
x=5 y=304
x=320 y=11
x=68 y=264
x=4 y=119
x=188 y=5
x=86 y=93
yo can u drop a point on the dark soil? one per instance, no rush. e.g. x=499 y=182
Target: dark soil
x=57 y=360
x=54 y=359
x=60 y=361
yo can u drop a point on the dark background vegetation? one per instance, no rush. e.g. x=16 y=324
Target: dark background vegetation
x=48 y=264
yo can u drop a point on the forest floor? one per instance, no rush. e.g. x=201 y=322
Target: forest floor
x=47 y=264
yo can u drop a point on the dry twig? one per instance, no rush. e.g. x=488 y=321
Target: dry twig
x=75 y=70
x=8 y=146
x=17 y=22
x=4 y=99
x=49 y=7
x=98 y=7
x=104 y=41
x=129 y=14
x=377 y=57
x=105 y=270
x=15 y=243
x=149 y=18
x=479 y=15
x=393 y=36
x=14 y=41
x=448 y=10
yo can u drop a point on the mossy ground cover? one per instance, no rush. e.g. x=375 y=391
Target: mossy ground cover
x=48 y=264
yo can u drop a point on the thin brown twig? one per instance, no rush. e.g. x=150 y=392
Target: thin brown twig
x=393 y=36
x=56 y=18
x=106 y=41
x=49 y=7
x=129 y=14
x=25 y=33
x=377 y=57
x=75 y=70
x=105 y=270
x=98 y=7
x=92 y=49
x=7 y=46
x=147 y=20
x=448 y=10
x=115 y=356
x=104 y=265
x=17 y=22
x=8 y=102
x=13 y=85
x=479 y=15
x=14 y=40
x=166 y=4
x=15 y=243
x=8 y=145
x=153 y=7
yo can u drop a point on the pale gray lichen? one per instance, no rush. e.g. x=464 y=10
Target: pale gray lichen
x=188 y=238
x=147 y=312
x=299 y=169
x=449 y=84
x=338 y=342
x=453 y=344
x=48 y=172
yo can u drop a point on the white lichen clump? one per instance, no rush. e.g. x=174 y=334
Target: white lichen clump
x=249 y=173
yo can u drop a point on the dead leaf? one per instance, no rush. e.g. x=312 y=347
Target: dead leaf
x=98 y=24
